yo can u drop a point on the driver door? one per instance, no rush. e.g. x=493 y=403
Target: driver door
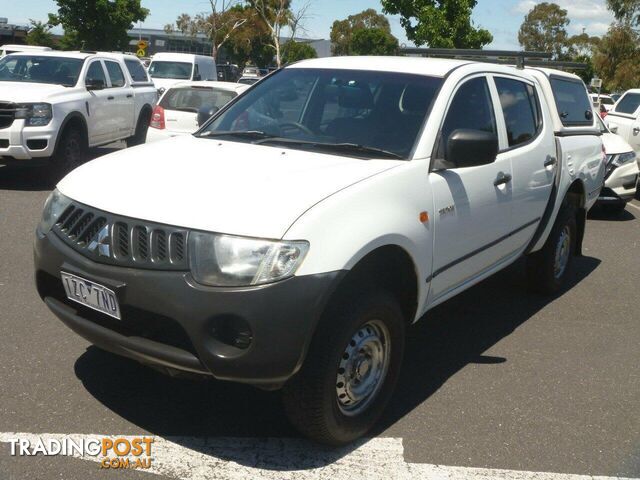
x=98 y=108
x=472 y=205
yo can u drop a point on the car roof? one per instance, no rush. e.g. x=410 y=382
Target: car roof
x=422 y=66
x=55 y=53
x=231 y=86
x=177 y=57
x=556 y=73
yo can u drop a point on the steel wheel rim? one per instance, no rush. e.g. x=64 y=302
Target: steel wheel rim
x=72 y=151
x=563 y=250
x=363 y=367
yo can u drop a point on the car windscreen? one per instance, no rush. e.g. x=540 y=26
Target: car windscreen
x=629 y=103
x=191 y=99
x=177 y=70
x=366 y=114
x=40 y=69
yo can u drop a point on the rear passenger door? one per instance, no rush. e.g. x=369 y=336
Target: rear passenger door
x=472 y=205
x=121 y=98
x=528 y=143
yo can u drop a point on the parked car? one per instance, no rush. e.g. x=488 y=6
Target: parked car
x=624 y=118
x=621 y=174
x=167 y=69
x=602 y=100
x=180 y=106
x=228 y=73
x=7 y=49
x=294 y=239
x=54 y=105
x=252 y=72
x=249 y=80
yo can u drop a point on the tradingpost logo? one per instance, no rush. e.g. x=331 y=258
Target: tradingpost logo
x=127 y=452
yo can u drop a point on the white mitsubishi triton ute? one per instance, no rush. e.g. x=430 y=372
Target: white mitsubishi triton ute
x=292 y=240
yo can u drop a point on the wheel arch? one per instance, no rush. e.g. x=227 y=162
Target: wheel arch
x=77 y=120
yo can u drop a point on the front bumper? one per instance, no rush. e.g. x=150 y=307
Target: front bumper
x=170 y=321
x=18 y=142
x=620 y=186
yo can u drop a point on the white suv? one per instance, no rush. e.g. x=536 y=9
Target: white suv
x=293 y=239
x=54 y=105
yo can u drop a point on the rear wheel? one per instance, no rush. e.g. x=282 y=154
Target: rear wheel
x=141 y=130
x=549 y=268
x=70 y=153
x=350 y=371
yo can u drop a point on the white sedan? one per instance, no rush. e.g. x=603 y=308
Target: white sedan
x=177 y=110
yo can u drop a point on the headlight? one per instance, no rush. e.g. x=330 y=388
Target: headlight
x=55 y=204
x=623 y=158
x=35 y=114
x=228 y=261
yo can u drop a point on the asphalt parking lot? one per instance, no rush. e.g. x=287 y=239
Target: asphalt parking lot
x=497 y=378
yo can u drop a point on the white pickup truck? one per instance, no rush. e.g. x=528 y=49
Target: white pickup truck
x=294 y=238
x=624 y=118
x=54 y=105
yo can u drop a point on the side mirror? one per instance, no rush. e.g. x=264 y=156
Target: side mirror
x=205 y=113
x=471 y=148
x=94 y=84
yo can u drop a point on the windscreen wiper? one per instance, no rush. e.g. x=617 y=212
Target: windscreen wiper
x=335 y=147
x=252 y=134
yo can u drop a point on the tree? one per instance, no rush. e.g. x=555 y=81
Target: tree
x=373 y=41
x=40 y=34
x=218 y=25
x=626 y=11
x=293 y=51
x=251 y=43
x=98 y=24
x=544 y=30
x=617 y=59
x=277 y=15
x=439 y=23
x=342 y=30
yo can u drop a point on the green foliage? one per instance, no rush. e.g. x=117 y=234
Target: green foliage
x=295 y=51
x=40 y=34
x=626 y=11
x=343 y=30
x=544 y=30
x=439 y=23
x=97 y=24
x=373 y=41
x=251 y=43
x=617 y=59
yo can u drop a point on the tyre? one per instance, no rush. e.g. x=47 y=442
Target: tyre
x=548 y=268
x=350 y=370
x=70 y=153
x=141 y=130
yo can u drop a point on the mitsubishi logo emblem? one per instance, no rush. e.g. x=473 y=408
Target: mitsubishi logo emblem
x=101 y=242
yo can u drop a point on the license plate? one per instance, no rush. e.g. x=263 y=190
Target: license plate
x=91 y=294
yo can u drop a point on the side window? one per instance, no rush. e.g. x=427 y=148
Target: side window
x=471 y=108
x=520 y=108
x=572 y=102
x=628 y=104
x=136 y=70
x=115 y=74
x=96 y=72
x=196 y=73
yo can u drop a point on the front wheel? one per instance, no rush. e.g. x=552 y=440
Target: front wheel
x=142 y=127
x=549 y=268
x=70 y=152
x=350 y=371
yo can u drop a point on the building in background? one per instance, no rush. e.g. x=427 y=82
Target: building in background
x=12 y=34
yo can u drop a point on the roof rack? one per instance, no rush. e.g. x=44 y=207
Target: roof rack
x=505 y=57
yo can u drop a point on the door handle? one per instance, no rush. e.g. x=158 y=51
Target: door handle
x=130 y=95
x=110 y=98
x=636 y=130
x=550 y=162
x=503 y=178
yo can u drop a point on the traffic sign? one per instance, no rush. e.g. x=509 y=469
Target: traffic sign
x=141 y=53
x=143 y=44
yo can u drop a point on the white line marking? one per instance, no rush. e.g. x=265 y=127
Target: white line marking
x=199 y=458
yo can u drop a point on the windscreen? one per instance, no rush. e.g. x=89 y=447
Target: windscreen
x=175 y=70
x=191 y=99
x=362 y=113
x=40 y=69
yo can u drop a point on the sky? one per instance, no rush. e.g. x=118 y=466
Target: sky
x=501 y=17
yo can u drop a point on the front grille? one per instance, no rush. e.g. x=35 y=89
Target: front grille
x=122 y=241
x=7 y=114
